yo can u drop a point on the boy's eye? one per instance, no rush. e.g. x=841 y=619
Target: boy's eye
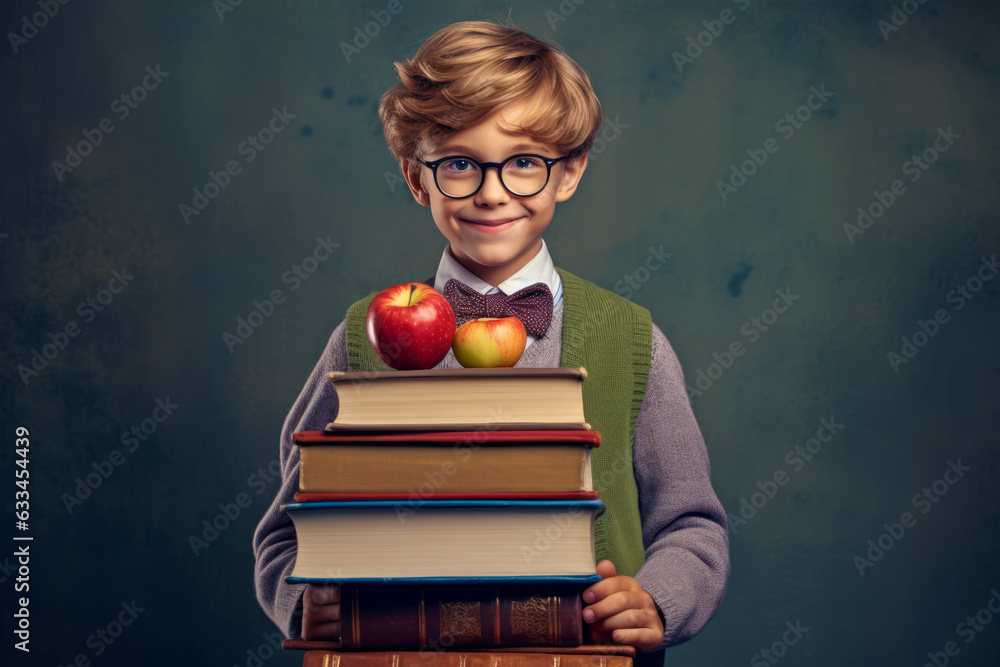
x=458 y=165
x=526 y=162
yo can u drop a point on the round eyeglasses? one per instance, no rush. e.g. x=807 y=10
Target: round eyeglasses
x=458 y=176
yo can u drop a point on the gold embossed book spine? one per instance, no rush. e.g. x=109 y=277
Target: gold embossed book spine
x=436 y=617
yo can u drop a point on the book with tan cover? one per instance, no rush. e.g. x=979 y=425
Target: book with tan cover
x=460 y=399
x=447 y=541
x=429 y=464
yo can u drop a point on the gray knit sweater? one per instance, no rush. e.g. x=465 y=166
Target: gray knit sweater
x=683 y=522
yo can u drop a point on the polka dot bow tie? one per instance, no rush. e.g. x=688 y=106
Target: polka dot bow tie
x=532 y=305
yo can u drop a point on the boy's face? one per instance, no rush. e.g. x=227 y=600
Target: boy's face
x=493 y=251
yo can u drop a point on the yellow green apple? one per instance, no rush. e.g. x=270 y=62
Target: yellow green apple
x=490 y=342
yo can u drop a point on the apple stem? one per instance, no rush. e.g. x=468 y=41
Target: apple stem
x=410 y=299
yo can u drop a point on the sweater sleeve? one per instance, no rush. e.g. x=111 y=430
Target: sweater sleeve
x=274 y=542
x=684 y=528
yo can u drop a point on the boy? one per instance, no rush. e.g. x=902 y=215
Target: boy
x=492 y=128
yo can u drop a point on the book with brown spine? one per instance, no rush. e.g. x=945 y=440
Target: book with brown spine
x=432 y=617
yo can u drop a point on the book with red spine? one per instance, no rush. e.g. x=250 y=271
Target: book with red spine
x=415 y=499
x=446 y=462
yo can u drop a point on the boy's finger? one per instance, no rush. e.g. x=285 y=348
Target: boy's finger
x=627 y=619
x=606 y=569
x=603 y=589
x=598 y=636
x=328 y=594
x=642 y=639
x=324 y=613
x=322 y=632
x=613 y=604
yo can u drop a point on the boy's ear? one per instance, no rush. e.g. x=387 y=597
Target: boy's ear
x=413 y=175
x=572 y=173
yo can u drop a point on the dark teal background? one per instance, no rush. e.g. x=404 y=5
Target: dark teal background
x=652 y=185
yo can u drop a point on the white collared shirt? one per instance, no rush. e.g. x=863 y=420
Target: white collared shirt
x=539 y=269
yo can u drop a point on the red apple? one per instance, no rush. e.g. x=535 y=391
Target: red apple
x=490 y=342
x=411 y=326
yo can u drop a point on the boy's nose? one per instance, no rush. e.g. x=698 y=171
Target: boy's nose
x=492 y=191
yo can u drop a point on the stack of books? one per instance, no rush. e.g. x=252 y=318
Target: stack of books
x=455 y=509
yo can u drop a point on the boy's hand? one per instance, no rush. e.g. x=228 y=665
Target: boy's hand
x=321 y=612
x=620 y=610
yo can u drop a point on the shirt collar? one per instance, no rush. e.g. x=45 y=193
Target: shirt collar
x=539 y=269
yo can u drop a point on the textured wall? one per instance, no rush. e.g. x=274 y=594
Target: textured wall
x=662 y=181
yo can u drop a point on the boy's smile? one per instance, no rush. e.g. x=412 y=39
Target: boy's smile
x=494 y=233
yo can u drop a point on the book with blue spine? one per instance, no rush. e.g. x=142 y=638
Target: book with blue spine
x=445 y=541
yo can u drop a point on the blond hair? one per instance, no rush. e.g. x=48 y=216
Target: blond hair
x=467 y=70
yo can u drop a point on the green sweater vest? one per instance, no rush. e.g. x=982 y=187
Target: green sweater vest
x=611 y=337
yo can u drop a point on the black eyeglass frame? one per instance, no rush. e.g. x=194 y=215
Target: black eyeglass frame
x=483 y=166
